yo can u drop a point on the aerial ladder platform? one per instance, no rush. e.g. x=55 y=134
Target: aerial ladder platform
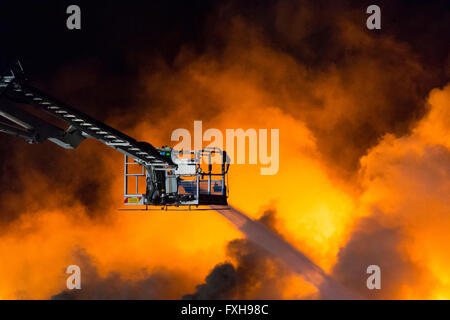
x=152 y=176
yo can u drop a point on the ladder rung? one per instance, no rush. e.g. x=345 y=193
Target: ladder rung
x=118 y=144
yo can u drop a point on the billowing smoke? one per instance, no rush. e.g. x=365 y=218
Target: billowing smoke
x=406 y=187
x=157 y=285
x=253 y=255
x=364 y=150
x=372 y=244
x=255 y=276
x=251 y=273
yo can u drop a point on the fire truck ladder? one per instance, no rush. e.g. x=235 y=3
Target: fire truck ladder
x=15 y=87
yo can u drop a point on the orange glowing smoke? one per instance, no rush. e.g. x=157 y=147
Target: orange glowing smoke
x=407 y=178
x=318 y=196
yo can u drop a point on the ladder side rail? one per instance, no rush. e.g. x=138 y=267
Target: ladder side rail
x=91 y=127
x=26 y=135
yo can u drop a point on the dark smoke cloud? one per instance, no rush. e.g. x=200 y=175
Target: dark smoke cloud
x=33 y=174
x=385 y=82
x=256 y=274
x=318 y=62
x=373 y=243
x=219 y=284
x=160 y=284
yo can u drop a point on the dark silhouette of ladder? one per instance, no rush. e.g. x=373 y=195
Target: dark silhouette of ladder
x=15 y=87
